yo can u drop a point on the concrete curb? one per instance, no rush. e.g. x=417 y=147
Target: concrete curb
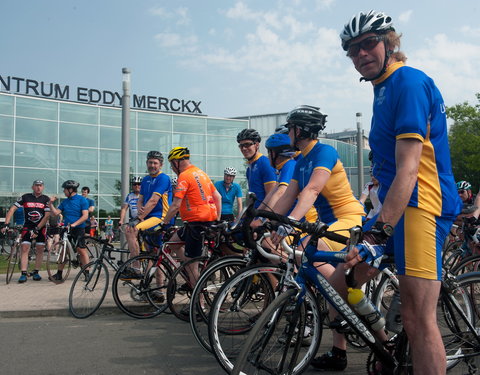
x=107 y=310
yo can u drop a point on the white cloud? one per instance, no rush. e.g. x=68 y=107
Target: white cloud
x=404 y=17
x=183 y=18
x=158 y=11
x=324 y=4
x=453 y=66
x=174 y=40
x=241 y=11
x=470 y=31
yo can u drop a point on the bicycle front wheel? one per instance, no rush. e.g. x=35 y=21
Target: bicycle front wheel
x=181 y=286
x=88 y=290
x=142 y=295
x=58 y=259
x=93 y=248
x=274 y=344
x=12 y=261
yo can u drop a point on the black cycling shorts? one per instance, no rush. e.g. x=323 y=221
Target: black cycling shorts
x=78 y=237
x=191 y=233
x=26 y=235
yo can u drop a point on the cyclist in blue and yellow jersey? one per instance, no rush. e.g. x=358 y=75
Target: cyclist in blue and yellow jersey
x=260 y=174
x=155 y=193
x=411 y=161
x=230 y=192
x=320 y=180
x=75 y=213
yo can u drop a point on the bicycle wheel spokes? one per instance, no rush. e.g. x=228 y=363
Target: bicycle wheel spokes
x=88 y=290
x=58 y=259
x=181 y=286
x=142 y=296
x=273 y=345
x=12 y=261
x=204 y=293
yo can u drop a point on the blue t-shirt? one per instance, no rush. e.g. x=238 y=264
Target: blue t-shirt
x=72 y=208
x=91 y=203
x=18 y=216
x=336 y=198
x=131 y=200
x=259 y=174
x=408 y=105
x=228 y=197
x=160 y=185
x=285 y=172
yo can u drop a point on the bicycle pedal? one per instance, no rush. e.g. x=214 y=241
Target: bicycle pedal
x=340 y=325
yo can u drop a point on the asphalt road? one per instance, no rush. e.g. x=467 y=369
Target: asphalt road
x=112 y=344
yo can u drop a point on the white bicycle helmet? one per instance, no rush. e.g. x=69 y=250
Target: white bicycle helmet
x=174 y=181
x=362 y=23
x=230 y=171
x=463 y=185
x=136 y=180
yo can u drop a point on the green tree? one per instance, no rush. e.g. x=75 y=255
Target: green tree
x=464 y=138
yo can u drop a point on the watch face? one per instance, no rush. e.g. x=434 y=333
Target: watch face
x=388 y=230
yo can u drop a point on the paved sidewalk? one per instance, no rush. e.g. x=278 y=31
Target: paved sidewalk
x=42 y=298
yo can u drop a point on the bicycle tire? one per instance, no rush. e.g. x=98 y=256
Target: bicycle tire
x=450 y=324
x=135 y=297
x=206 y=288
x=59 y=254
x=452 y=254
x=468 y=264
x=12 y=261
x=273 y=346
x=92 y=248
x=88 y=292
x=180 y=287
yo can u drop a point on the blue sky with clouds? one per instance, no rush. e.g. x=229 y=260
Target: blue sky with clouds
x=236 y=57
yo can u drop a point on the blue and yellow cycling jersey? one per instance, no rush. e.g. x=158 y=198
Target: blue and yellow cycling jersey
x=408 y=105
x=259 y=174
x=336 y=198
x=159 y=185
x=285 y=171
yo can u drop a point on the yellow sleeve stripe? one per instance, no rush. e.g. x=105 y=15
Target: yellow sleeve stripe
x=270 y=182
x=323 y=168
x=410 y=135
x=157 y=193
x=283 y=183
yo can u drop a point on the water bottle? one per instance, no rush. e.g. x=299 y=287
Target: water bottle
x=394 y=318
x=363 y=306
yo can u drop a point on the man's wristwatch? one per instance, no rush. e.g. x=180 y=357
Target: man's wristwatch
x=385 y=229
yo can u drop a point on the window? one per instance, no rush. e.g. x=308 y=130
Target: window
x=225 y=127
x=78 y=135
x=185 y=124
x=37 y=108
x=6 y=105
x=78 y=113
x=217 y=145
x=195 y=143
x=72 y=158
x=24 y=178
x=35 y=156
x=89 y=179
x=6 y=127
x=113 y=117
x=149 y=140
x=110 y=183
x=154 y=121
x=110 y=161
x=39 y=131
x=6 y=153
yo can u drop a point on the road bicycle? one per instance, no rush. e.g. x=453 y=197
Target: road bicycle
x=13 y=259
x=273 y=345
x=90 y=285
x=63 y=255
x=162 y=280
x=7 y=239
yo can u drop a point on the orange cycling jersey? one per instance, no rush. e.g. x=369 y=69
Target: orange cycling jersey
x=196 y=190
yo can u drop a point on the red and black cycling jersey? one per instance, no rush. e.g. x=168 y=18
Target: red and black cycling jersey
x=34 y=208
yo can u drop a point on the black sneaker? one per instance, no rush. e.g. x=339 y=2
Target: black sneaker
x=130 y=273
x=329 y=362
x=184 y=288
x=57 y=277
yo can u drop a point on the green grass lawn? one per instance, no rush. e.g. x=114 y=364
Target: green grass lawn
x=4 y=262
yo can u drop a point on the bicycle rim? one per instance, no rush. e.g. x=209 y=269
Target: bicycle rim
x=12 y=261
x=58 y=257
x=88 y=290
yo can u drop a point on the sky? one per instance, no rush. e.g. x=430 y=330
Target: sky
x=238 y=58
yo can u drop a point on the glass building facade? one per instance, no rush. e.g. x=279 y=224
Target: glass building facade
x=57 y=140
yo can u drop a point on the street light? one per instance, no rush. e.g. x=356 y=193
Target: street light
x=125 y=178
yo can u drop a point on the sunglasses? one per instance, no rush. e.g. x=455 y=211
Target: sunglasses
x=461 y=191
x=245 y=145
x=136 y=184
x=366 y=44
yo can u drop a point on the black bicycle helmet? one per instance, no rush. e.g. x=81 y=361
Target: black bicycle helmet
x=307 y=118
x=362 y=23
x=70 y=184
x=155 y=155
x=249 y=134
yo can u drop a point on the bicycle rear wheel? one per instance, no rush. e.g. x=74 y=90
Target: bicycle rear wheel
x=88 y=290
x=274 y=344
x=205 y=291
x=142 y=296
x=180 y=287
x=12 y=261
x=58 y=259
